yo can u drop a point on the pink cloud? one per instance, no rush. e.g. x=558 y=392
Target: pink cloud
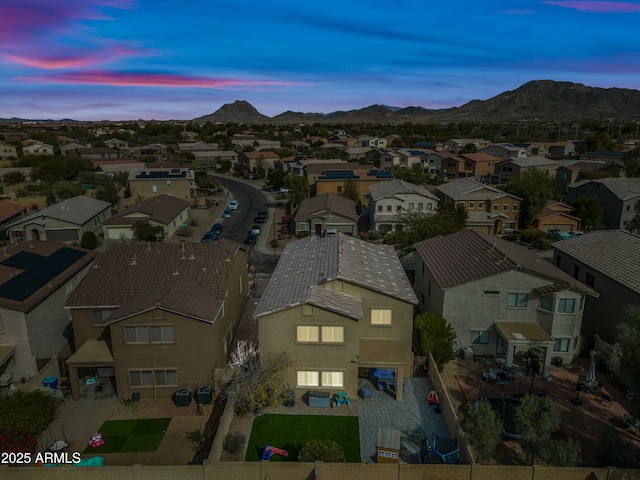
x=125 y=79
x=596 y=6
x=77 y=59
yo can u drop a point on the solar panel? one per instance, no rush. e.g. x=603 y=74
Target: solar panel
x=38 y=271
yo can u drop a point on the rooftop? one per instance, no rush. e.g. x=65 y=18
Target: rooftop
x=623 y=188
x=77 y=210
x=395 y=187
x=162 y=208
x=327 y=202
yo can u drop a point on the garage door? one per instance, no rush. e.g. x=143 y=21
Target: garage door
x=118 y=233
x=64 y=235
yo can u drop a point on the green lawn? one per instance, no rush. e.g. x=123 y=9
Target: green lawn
x=290 y=432
x=139 y=435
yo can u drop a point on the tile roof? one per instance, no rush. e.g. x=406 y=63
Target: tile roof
x=394 y=187
x=162 y=209
x=464 y=188
x=481 y=217
x=480 y=157
x=314 y=261
x=327 y=202
x=468 y=255
x=45 y=249
x=337 y=302
x=614 y=253
x=9 y=210
x=190 y=279
x=77 y=210
x=623 y=188
x=535 y=161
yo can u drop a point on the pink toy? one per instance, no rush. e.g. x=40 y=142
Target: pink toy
x=96 y=440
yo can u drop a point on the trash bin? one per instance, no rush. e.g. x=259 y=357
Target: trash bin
x=135 y=397
x=290 y=401
x=203 y=395
x=51 y=382
x=557 y=361
x=467 y=354
x=183 y=397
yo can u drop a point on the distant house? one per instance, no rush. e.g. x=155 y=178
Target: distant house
x=332 y=181
x=505 y=150
x=120 y=145
x=243 y=140
x=8 y=151
x=157 y=316
x=326 y=212
x=387 y=200
x=164 y=211
x=151 y=182
x=401 y=157
x=258 y=162
x=500 y=297
x=456 y=144
x=561 y=149
x=489 y=210
x=607 y=156
x=604 y=260
x=10 y=212
x=33 y=147
x=65 y=221
x=620 y=198
x=260 y=145
x=36 y=279
x=556 y=216
x=98 y=153
x=72 y=148
x=355 y=153
x=480 y=166
x=336 y=305
x=513 y=168
x=119 y=165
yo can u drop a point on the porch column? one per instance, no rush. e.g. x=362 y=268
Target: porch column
x=399 y=383
x=73 y=382
x=509 y=360
x=546 y=363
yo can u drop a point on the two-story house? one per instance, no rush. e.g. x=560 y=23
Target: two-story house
x=505 y=151
x=489 y=210
x=338 y=306
x=332 y=181
x=34 y=147
x=8 y=151
x=35 y=280
x=258 y=162
x=605 y=260
x=157 y=316
x=619 y=197
x=500 y=297
x=65 y=221
x=387 y=200
x=514 y=167
x=151 y=182
x=326 y=212
x=121 y=145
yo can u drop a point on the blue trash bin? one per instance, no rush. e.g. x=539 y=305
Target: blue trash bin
x=51 y=382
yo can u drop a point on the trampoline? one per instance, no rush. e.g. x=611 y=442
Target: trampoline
x=437 y=449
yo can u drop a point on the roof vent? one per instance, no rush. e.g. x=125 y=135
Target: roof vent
x=95 y=265
x=176 y=273
x=192 y=257
x=134 y=260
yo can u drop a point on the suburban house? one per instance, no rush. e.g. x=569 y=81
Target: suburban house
x=575 y=171
x=338 y=307
x=401 y=157
x=505 y=150
x=606 y=261
x=561 y=149
x=332 y=181
x=608 y=156
x=480 y=166
x=372 y=142
x=71 y=148
x=164 y=211
x=387 y=200
x=157 y=316
x=65 y=221
x=8 y=151
x=326 y=212
x=556 y=216
x=151 y=182
x=513 y=168
x=10 y=212
x=260 y=144
x=355 y=153
x=489 y=210
x=98 y=153
x=243 y=140
x=118 y=165
x=258 y=162
x=500 y=297
x=120 y=145
x=34 y=147
x=619 y=197
x=35 y=280
x=457 y=144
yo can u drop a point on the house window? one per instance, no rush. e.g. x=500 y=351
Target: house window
x=240 y=278
x=590 y=279
x=389 y=208
x=517 y=300
x=308 y=378
x=471 y=205
x=162 y=334
x=480 y=205
x=420 y=206
x=380 y=316
x=398 y=208
x=480 y=338
x=429 y=206
x=1 y=324
x=332 y=334
x=581 y=304
x=332 y=379
x=546 y=303
x=566 y=305
x=422 y=298
x=168 y=183
x=495 y=208
x=575 y=342
x=491 y=293
x=515 y=207
x=141 y=378
x=411 y=206
x=166 y=377
x=100 y=316
x=307 y=333
x=576 y=271
x=339 y=188
x=136 y=334
x=379 y=208
x=505 y=207
x=154 y=188
x=561 y=345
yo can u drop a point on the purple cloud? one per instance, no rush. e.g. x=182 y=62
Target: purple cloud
x=596 y=6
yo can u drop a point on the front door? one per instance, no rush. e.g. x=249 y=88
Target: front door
x=318 y=229
x=501 y=346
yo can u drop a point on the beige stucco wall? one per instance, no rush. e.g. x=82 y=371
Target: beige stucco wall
x=179 y=188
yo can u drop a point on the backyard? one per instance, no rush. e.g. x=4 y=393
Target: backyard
x=291 y=432
x=137 y=435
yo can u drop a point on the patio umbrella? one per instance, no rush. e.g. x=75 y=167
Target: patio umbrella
x=591 y=374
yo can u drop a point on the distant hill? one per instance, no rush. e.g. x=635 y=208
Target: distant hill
x=537 y=100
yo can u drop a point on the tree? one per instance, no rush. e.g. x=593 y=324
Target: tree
x=535 y=188
x=350 y=190
x=224 y=164
x=482 y=428
x=629 y=339
x=258 y=381
x=14 y=177
x=415 y=174
x=537 y=421
x=437 y=337
x=298 y=189
x=321 y=450
x=26 y=413
x=632 y=163
x=589 y=211
x=146 y=232
x=276 y=177
x=108 y=193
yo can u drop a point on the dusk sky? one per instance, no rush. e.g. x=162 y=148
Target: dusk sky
x=167 y=59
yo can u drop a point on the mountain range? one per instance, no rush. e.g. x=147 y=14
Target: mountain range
x=539 y=100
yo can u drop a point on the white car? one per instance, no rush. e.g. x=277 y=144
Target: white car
x=233 y=205
x=284 y=190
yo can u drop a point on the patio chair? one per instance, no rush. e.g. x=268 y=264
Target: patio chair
x=630 y=394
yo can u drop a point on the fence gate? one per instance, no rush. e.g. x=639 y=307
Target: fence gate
x=420 y=366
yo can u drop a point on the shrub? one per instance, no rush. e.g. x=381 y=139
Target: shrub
x=184 y=231
x=234 y=442
x=27 y=412
x=89 y=240
x=323 y=450
x=303 y=234
x=374 y=235
x=545 y=244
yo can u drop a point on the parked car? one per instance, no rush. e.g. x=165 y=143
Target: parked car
x=233 y=205
x=262 y=217
x=250 y=240
x=227 y=213
x=216 y=227
x=255 y=230
x=284 y=190
x=209 y=237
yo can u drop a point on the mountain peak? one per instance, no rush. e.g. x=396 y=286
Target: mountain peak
x=239 y=111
